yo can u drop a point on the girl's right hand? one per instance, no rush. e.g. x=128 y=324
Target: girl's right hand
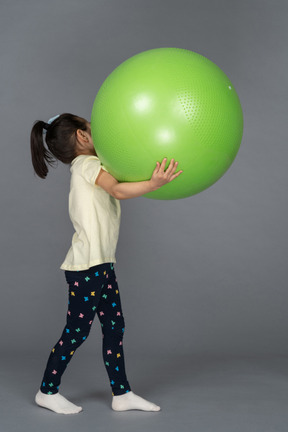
x=160 y=177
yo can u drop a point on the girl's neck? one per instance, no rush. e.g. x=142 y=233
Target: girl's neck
x=88 y=152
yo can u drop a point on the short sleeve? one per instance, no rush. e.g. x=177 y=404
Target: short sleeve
x=91 y=168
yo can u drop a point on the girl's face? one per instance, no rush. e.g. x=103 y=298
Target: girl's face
x=91 y=145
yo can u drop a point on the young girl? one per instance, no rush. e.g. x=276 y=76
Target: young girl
x=94 y=209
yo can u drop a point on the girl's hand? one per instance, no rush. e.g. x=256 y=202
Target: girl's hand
x=160 y=177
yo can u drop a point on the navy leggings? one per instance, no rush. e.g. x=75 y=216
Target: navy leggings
x=90 y=291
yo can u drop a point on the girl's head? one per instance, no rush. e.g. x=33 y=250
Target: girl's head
x=66 y=137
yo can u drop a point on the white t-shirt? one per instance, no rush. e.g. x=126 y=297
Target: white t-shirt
x=95 y=215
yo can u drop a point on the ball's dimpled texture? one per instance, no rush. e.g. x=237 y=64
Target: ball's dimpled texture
x=167 y=102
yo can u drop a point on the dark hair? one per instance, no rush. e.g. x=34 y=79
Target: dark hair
x=60 y=140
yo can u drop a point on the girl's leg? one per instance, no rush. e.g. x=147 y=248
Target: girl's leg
x=84 y=294
x=112 y=322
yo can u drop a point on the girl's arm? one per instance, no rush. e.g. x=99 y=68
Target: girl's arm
x=128 y=190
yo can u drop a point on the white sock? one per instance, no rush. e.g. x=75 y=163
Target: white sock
x=130 y=401
x=56 y=403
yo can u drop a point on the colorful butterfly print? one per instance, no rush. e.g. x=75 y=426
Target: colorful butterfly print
x=114 y=304
x=86 y=299
x=72 y=352
x=51 y=384
x=101 y=313
x=97 y=274
x=54 y=372
x=63 y=357
x=120 y=343
x=105 y=272
x=121 y=386
x=67 y=331
x=73 y=341
x=117 y=368
x=84 y=337
x=118 y=313
x=112 y=322
x=90 y=322
x=49 y=393
x=72 y=293
x=118 y=355
x=109 y=352
x=107 y=363
x=53 y=349
x=87 y=278
x=61 y=342
x=93 y=308
x=112 y=382
x=117 y=291
x=93 y=293
x=104 y=296
x=109 y=287
x=81 y=315
x=76 y=283
x=69 y=313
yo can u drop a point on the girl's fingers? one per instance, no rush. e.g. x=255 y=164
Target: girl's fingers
x=175 y=166
x=170 y=171
x=175 y=175
x=170 y=167
x=163 y=164
x=156 y=168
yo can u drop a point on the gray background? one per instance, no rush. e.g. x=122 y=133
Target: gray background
x=203 y=280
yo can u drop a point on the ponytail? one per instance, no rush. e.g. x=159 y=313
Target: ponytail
x=41 y=157
x=60 y=138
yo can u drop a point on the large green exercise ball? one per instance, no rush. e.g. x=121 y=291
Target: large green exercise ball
x=167 y=102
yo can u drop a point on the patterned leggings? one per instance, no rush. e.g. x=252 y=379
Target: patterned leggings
x=90 y=291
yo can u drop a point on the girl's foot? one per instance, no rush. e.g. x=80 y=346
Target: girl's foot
x=130 y=401
x=56 y=403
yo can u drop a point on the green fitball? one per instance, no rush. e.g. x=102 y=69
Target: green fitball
x=167 y=102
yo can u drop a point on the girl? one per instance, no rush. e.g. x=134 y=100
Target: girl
x=94 y=209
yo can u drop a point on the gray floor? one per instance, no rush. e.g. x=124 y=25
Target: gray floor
x=197 y=393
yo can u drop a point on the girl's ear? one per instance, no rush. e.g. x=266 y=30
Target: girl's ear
x=82 y=136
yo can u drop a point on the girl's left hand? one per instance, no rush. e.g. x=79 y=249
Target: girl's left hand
x=160 y=177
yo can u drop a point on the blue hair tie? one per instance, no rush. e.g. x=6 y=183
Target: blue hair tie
x=46 y=125
x=52 y=119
